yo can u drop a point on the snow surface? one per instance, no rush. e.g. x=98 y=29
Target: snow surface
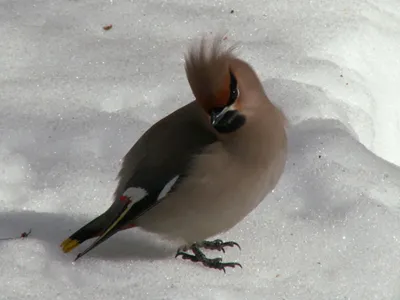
x=74 y=98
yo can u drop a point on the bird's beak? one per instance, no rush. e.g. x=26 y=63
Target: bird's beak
x=114 y=226
x=227 y=119
x=218 y=114
x=221 y=116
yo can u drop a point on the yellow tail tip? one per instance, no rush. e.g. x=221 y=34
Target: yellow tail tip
x=68 y=245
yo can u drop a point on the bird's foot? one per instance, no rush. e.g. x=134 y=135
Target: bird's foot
x=198 y=256
x=218 y=245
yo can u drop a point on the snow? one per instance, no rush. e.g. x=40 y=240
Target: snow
x=74 y=98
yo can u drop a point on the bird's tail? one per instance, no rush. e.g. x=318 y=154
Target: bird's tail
x=102 y=227
x=90 y=230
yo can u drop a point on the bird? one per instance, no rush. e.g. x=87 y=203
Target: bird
x=203 y=168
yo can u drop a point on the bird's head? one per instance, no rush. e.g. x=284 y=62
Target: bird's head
x=223 y=85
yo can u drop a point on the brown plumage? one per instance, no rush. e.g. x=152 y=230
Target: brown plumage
x=203 y=168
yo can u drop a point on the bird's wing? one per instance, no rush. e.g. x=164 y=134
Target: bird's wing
x=161 y=158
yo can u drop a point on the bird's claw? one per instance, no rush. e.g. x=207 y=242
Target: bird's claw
x=217 y=263
x=198 y=256
x=219 y=245
x=185 y=255
x=230 y=265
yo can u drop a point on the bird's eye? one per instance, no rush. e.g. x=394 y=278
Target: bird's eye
x=234 y=94
x=234 y=91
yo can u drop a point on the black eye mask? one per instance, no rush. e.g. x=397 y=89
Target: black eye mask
x=226 y=120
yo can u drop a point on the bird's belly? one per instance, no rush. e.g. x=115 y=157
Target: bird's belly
x=217 y=195
x=202 y=209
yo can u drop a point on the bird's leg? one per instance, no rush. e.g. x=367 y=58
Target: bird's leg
x=218 y=245
x=198 y=256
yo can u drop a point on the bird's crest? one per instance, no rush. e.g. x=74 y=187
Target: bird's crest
x=207 y=70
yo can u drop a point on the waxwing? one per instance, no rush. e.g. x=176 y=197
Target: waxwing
x=203 y=168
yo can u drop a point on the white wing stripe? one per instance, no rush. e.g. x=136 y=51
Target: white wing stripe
x=167 y=188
